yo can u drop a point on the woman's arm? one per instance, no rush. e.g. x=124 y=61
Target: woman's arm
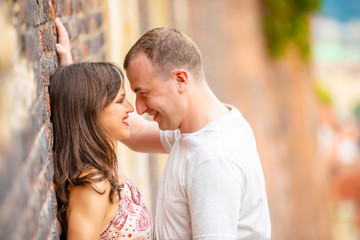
x=87 y=211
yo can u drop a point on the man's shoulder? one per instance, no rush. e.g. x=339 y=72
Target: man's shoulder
x=208 y=149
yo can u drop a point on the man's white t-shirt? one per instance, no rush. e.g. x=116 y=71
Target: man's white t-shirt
x=213 y=186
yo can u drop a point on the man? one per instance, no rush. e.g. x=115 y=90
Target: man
x=212 y=185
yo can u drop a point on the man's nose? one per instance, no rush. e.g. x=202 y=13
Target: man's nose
x=140 y=106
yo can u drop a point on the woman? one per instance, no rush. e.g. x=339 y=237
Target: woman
x=89 y=112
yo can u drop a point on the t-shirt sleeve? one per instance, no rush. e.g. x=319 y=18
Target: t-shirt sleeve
x=168 y=138
x=215 y=189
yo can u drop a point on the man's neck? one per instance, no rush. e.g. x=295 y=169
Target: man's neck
x=203 y=108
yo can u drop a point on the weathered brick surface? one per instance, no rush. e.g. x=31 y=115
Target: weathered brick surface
x=27 y=196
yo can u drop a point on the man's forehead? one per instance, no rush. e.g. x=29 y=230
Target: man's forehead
x=140 y=59
x=141 y=75
x=139 y=85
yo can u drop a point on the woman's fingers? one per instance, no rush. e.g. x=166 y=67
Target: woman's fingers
x=63 y=47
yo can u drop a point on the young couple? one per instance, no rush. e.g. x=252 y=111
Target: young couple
x=212 y=186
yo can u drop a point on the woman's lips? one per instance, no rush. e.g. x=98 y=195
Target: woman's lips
x=124 y=121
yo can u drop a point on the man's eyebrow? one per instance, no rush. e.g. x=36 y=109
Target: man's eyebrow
x=137 y=89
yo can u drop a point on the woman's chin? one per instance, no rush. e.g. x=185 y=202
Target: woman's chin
x=125 y=136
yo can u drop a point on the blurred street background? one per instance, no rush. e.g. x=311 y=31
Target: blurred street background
x=336 y=75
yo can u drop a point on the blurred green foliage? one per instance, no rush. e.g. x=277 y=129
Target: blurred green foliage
x=322 y=94
x=287 y=21
x=357 y=110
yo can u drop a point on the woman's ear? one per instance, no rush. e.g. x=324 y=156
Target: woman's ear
x=181 y=77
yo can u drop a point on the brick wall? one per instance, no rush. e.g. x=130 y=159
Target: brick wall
x=28 y=58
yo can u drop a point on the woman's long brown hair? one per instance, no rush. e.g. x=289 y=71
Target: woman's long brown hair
x=78 y=95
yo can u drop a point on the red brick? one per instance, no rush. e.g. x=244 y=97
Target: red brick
x=51 y=12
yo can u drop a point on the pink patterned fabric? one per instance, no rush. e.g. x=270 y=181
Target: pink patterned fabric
x=133 y=220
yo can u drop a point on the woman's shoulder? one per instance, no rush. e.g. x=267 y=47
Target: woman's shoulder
x=95 y=180
x=96 y=190
x=90 y=195
x=87 y=209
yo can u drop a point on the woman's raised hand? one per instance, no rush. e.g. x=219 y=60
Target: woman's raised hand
x=63 y=45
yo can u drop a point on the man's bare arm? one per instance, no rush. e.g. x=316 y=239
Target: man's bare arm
x=144 y=135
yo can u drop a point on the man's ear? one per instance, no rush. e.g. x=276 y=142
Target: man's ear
x=181 y=76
